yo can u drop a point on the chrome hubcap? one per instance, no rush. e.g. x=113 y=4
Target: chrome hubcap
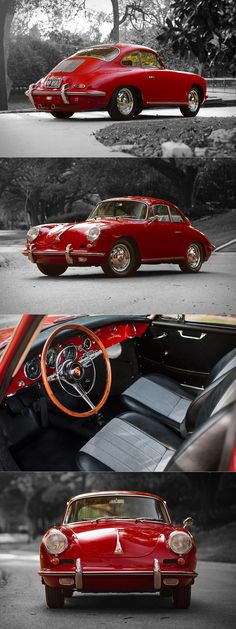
x=193 y=256
x=125 y=101
x=120 y=258
x=193 y=100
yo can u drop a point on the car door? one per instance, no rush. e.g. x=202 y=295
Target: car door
x=162 y=241
x=186 y=347
x=160 y=85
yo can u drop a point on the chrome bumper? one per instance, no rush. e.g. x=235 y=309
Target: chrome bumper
x=157 y=574
x=68 y=254
x=63 y=92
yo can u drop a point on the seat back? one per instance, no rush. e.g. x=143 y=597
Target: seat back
x=208 y=401
x=223 y=366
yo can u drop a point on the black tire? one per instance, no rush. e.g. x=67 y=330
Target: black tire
x=192 y=109
x=54 y=597
x=192 y=267
x=182 y=597
x=131 y=263
x=62 y=114
x=52 y=270
x=68 y=593
x=124 y=98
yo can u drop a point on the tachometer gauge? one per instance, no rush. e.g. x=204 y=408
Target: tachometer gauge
x=32 y=369
x=70 y=352
x=87 y=343
x=52 y=357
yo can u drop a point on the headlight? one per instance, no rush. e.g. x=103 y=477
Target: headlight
x=55 y=542
x=32 y=233
x=93 y=234
x=180 y=542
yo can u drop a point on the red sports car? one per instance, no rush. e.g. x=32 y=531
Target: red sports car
x=118 y=542
x=119 y=235
x=120 y=78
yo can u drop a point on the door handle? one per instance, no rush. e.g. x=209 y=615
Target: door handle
x=151 y=76
x=178 y=232
x=193 y=338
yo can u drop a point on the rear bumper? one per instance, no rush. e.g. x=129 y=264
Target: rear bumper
x=111 y=580
x=64 y=98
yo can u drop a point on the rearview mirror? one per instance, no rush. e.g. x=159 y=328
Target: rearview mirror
x=187 y=522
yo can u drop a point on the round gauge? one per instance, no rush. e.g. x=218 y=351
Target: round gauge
x=87 y=343
x=70 y=352
x=32 y=369
x=52 y=357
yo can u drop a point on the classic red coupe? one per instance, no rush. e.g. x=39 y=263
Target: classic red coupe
x=118 y=542
x=123 y=79
x=118 y=392
x=119 y=235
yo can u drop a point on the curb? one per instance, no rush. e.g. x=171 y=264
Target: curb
x=218 y=102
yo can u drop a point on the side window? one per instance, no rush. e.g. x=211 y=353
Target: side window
x=132 y=59
x=149 y=60
x=175 y=216
x=162 y=212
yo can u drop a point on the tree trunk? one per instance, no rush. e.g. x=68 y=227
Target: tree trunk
x=6 y=16
x=182 y=178
x=115 y=33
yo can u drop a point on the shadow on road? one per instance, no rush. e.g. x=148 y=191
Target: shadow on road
x=102 y=276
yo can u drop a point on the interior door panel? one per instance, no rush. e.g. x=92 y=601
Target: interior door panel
x=187 y=352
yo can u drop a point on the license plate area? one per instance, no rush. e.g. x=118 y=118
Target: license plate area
x=53 y=82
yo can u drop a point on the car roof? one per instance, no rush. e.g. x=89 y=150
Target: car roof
x=115 y=493
x=123 y=47
x=148 y=200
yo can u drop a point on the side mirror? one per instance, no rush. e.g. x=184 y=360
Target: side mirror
x=187 y=522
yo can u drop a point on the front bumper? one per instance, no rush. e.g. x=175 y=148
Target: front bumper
x=63 y=98
x=70 y=256
x=115 y=579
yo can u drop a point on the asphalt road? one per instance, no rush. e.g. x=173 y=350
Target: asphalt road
x=39 y=135
x=160 y=288
x=23 y=607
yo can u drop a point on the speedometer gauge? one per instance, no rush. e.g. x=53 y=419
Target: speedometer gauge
x=32 y=369
x=70 y=352
x=52 y=357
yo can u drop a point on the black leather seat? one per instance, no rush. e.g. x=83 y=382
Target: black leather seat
x=167 y=401
x=134 y=442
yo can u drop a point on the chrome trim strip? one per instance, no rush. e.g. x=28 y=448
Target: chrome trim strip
x=88 y=93
x=171 y=102
x=47 y=93
x=51 y=573
x=64 y=94
x=117 y=572
x=144 y=260
x=63 y=253
x=72 y=573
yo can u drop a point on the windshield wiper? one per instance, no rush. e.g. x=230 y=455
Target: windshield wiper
x=149 y=520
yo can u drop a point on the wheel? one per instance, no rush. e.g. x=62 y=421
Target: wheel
x=62 y=114
x=123 y=260
x=182 y=597
x=124 y=104
x=54 y=597
x=193 y=260
x=52 y=270
x=194 y=102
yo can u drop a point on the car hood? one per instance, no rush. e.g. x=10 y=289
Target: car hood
x=57 y=233
x=136 y=539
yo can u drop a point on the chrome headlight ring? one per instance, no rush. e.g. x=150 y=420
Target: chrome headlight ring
x=55 y=542
x=93 y=233
x=32 y=234
x=180 y=542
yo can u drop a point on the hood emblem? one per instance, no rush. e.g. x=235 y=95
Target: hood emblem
x=118 y=549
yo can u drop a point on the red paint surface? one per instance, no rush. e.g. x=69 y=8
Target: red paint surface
x=156 y=85
x=156 y=241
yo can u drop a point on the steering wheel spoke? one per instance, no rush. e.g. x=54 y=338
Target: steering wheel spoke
x=78 y=387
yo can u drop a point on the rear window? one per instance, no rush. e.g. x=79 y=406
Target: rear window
x=107 y=53
x=68 y=65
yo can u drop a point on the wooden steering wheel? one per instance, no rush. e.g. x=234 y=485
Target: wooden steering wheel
x=70 y=373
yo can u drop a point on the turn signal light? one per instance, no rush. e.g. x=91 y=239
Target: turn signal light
x=181 y=561
x=55 y=561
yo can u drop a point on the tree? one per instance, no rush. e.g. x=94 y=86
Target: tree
x=205 y=28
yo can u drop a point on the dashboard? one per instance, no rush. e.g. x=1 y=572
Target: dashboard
x=71 y=346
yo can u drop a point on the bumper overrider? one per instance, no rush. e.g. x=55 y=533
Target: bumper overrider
x=70 y=256
x=58 y=97
x=80 y=577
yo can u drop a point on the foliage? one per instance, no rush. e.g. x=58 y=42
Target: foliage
x=205 y=28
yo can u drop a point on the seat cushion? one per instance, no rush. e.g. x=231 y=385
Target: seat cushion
x=162 y=397
x=223 y=366
x=130 y=442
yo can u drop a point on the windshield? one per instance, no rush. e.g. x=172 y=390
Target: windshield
x=116 y=507
x=106 y=53
x=118 y=208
